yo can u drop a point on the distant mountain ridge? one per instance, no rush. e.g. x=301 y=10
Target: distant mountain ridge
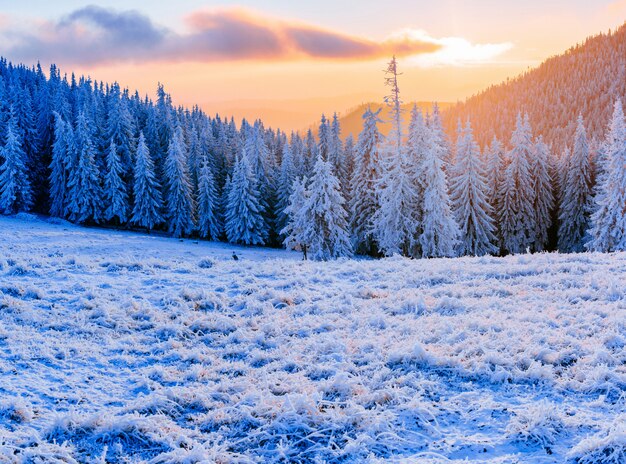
x=352 y=121
x=586 y=79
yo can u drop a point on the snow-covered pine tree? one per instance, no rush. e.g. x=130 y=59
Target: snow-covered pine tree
x=15 y=187
x=348 y=160
x=310 y=153
x=115 y=191
x=440 y=139
x=576 y=195
x=119 y=126
x=394 y=223
x=179 y=201
x=608 y=221
x=244 y=222
x=543 y=196
x=468 y=192
x=517 y=213
x=559 y=169
x=418 y=143
x=365 y=177
x=295 y=227
x=58 y=175
x=439 y=230
x=323 y=135
x=285 y=185
x=147 y=190
x=209 y=225
x=335 y=155
x=324 y=218
x=296 y=145
x=83 y=182
x=495 y=167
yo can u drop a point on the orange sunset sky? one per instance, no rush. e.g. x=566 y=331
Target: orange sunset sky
x=288 y=61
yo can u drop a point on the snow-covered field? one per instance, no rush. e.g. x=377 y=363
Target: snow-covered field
x=120 y=347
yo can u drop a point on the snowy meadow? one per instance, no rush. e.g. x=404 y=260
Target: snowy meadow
x=121 y=347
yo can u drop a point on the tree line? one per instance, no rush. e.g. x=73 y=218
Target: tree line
x=94 y=153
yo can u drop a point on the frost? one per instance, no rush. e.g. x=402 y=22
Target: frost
x=109 y=353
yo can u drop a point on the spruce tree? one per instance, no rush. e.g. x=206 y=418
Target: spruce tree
x=120 y=127
x=323 y=135
x=608 y=221
x=15 y=187
x=295 y=227
x=209 y=225
x=244 y=221
x=84 y=190
x=517 y=213
x=495 y=167
x=440 y=140
x=576 y=195
x=418 y=144
x=469 y=198
x=439 y=230
x=543 y=195
x=147 y=190
x=335 y=155
x=394 y=221
x=61 y=149
x=115 y=191
x=348 y=162
x=324 y=218
x=285 y=185
x=179 y=200
x=365 y=177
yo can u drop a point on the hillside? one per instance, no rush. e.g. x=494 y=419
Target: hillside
x=586 y=79
x=119 y=347
x=352 y=121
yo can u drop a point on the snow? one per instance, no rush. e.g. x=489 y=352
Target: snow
x=122 y=347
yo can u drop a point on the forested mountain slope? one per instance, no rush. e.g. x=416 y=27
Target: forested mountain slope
x=585 y=79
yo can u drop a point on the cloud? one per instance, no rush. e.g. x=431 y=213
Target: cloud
x=97 y=36
x=456 y=51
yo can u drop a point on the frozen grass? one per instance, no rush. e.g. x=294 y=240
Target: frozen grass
x=118 y=347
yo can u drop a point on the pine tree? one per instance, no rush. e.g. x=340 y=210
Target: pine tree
x=61 y=149
x=84 y=191
x=439 y=138
x=119 y=126
x=179 y=199
x=495 y=167
x=517 y=214
x=575 y=200
x=261 y=168
x=608 y=221
x=295 y=227
x=323 y=218
x=323 y=135
x=15 y=187
x=543 y=196
x=335 y=155
x=115 y=192
x=285 y=185
x=418 y=144
x=244 y=222
x=469 y=198
x=311 y=152
x=365 y=177
x=148 y=200
x=208 y=203
x=440 y=232
x=348 y=161
x=394 y=222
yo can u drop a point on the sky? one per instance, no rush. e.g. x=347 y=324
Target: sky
x=287 y=61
